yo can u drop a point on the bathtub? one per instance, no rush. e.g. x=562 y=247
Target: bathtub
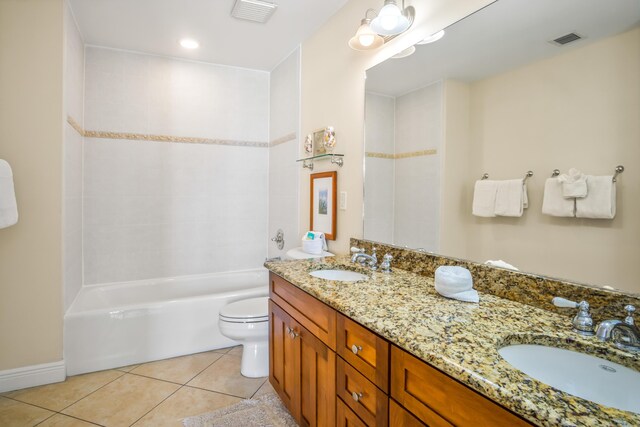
x=120 y=324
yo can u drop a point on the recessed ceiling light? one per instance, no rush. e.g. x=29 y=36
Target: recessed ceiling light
x=189 y=43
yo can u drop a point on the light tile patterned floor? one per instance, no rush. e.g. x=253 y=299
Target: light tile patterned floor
x=159 y=393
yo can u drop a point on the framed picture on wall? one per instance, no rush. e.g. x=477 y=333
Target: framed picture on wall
x=323 y=203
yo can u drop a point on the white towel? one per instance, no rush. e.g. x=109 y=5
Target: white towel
x=500 y=263
x=511 y=197
x=554 y=203
x=484 y=198
x=8 y=205
x=455 y=282
x=601 y=198
x=574 y=184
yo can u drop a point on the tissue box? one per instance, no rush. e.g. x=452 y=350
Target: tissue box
x=313 y=247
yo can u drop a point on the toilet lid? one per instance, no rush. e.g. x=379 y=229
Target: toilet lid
x=253 y=309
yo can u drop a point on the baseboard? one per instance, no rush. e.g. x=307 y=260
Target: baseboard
x=31 y=376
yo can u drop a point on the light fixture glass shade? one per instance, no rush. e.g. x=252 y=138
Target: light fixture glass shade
x=404 y=53
x=365 y=38
x=390 y=20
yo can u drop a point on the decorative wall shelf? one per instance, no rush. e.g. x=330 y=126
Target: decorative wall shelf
x=335 y=158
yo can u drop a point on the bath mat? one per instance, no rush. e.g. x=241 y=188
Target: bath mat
x=266 y=410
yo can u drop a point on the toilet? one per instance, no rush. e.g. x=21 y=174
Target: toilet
x=247 y=321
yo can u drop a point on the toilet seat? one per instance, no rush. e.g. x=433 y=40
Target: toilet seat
x=253 y=310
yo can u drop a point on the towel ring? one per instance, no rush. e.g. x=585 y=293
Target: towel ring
x=619 y=170
x=555 y=173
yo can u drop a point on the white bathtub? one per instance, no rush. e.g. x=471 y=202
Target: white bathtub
x=125 y=323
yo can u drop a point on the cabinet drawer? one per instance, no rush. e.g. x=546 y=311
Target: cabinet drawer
x=424 y=390
x=346 y=417
x=317 y=317
x=361 y=395
x=364 y=350
x=398 y=416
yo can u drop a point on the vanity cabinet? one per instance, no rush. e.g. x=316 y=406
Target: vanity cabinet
x=329 y=370
x=302 y=367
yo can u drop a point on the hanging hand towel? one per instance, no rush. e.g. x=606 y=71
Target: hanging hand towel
x=8 y=205
x=484 y=198
x=574 y=184
x=511 y=198
x=601 y=198
x=553 y=203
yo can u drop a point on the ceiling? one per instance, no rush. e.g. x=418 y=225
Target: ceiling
x=156 y=26
x=502 y=36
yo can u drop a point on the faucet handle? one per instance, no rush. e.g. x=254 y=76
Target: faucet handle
x=355 y=250
x=582 y=323
x=386 y=263
x=629 y=319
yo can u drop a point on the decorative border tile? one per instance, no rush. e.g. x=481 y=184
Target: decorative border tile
x=406 y=155
x=286 y=138
x=75 y=125
x=168 y=138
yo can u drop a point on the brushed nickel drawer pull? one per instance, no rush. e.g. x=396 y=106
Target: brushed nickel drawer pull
x=356 y=396
x=356 y=349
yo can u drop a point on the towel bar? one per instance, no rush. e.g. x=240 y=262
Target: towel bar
x=619 y=170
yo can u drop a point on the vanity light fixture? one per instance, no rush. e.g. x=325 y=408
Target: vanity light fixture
x=189 y=43
x=432 y=38
x=365 y=38
x=391 y=20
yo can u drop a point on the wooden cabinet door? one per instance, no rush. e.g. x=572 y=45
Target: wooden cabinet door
x=284 y=353
x=317 y=381
x=302 y=370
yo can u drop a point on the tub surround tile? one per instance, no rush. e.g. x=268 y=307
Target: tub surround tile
x=405 y=155
x=224 y=376
x=123 y=401
x=14 y=413
x=179 y=369
x=285 y=138
x=462 y=339
x=186 y=402
x=58 y=396
x=59 y=420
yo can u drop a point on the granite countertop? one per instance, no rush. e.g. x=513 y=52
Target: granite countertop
x=462 y=339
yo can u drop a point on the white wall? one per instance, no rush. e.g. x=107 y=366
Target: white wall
x=72 y=160
x=158 y=209
x=284 y=124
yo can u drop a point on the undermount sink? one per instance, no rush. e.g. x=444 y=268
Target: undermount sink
x=579 y=374
x=339 y=275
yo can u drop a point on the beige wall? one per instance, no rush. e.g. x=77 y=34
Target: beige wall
x=579 y=109
x=332 y=93
x=31 y=141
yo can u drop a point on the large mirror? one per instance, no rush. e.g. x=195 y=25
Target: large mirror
x=498 y=95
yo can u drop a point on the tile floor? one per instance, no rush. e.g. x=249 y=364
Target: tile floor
x=159 y=393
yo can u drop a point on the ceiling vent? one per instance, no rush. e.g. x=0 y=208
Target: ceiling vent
x=566 y=39
x=253 y=10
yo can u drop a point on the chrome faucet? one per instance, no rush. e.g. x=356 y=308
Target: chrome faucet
x=624 y=334
x=582 y=323
x=360 y=256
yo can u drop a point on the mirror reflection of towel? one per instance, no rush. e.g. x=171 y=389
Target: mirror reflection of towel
x=484 y=198
x=511 y=197
x=601 y=198
x=8 y=205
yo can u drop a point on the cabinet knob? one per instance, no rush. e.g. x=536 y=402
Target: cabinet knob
x=356 y=396
x=292 y=333
x=356 y=348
